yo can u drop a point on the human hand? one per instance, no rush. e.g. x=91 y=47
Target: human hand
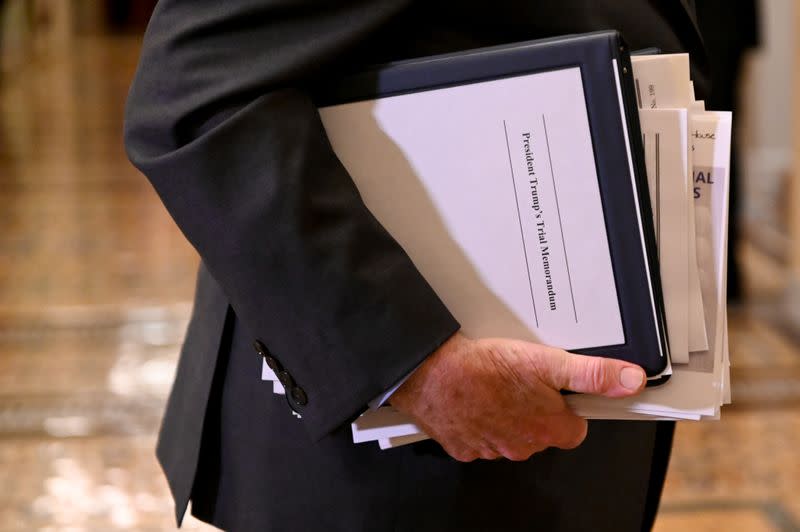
x=496 y=397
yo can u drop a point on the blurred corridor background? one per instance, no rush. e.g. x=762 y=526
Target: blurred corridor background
x=96 y=285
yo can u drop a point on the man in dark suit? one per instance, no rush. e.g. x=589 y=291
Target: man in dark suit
x=295 y=271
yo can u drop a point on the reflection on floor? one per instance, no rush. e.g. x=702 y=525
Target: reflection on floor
x=95 y=284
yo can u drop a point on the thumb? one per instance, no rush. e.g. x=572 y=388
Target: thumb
x=596 y=375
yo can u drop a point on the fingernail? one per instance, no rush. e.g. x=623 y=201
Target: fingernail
x=631 y=378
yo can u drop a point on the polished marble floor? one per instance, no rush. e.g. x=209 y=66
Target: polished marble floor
x=95 y=290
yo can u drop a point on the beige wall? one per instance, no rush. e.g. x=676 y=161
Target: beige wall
x=765 y=125
x=767 y=84
x=31 y=28
x=792 y=297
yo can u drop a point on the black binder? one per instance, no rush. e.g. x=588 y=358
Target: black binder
x=606 y=73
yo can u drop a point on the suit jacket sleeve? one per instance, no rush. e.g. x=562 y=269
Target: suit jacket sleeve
x=236 y=151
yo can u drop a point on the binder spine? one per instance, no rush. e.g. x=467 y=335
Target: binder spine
x=630 y=112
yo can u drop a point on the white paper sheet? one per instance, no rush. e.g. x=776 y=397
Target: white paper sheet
x=664 y=135
x=726 y=381
x=698 y=335
x=383 y=423
x=663 y=82
x=389 y=443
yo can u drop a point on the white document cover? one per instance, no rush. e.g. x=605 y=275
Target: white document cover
x=493 y=193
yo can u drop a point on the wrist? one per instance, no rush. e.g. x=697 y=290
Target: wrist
x=428 y=374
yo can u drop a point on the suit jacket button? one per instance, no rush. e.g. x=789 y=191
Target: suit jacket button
x=260 y=348
x=271 y=361
x=299 y=396
x=286 y=380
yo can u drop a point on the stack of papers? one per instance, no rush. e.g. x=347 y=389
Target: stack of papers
x=687 y=157
x=687 y=153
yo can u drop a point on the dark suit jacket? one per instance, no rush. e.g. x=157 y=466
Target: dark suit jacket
x=220 y=120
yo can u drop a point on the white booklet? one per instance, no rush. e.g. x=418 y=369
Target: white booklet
x=498 y=206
